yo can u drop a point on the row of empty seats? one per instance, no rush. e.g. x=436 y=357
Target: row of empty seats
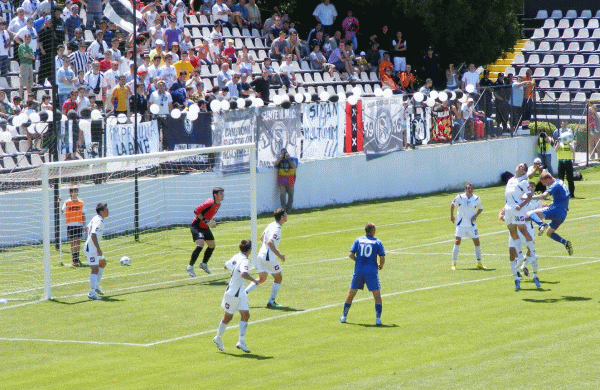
x=566 y=23
x=590 y=85
x=567 y=33
x=566 y=97
x=551 y=59
x=570 y=14
x=560 y=47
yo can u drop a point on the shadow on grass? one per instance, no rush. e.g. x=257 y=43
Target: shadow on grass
x=248 y=356
x=372 y=325
x=283 y=308
x=555 y=300
x=476 y=269
x=104 y=299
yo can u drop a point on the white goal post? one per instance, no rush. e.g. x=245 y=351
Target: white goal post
x=152 y=192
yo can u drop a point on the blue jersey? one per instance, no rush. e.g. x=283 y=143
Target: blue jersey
x=366 y=249
x=560 y=195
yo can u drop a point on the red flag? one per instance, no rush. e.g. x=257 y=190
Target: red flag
x=353 y=141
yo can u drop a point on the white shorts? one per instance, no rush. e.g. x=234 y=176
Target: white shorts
x=514 y=217
x=231 y=303
x=530 y=230
x=91 y=255
x=270 y=266
x=466 y=231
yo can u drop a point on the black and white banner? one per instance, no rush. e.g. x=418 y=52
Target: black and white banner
x=278 y=128
x=232 y=128
x=419 y=126
x=120 y=12
x=183 y=134
x=323 y=134
x=120 y=138
x=383 y=126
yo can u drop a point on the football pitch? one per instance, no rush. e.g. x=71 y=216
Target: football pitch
x=443 y=329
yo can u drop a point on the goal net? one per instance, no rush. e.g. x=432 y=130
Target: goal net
x=151 y=199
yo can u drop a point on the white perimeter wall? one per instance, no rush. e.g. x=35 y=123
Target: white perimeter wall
x=319 y=183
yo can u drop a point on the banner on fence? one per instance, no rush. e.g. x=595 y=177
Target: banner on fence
x=323 y=135
x=231 y=128
x=353 y=139
x=419 y=125
x=382 y=124
x=278 y=128
x=120 y=138
x=442 y=126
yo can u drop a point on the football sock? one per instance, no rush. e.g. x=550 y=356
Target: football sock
x=207 y=254
x=346 y=308
x=378 y=309
x=534 y=265
x=478 y=253
x=75 y=257
x=558 y=238
x=99 y=278
x=513 y=268
x=531 y=246
x=455 y=251
x=222 y=327
x=536 y=218
x=274 y=291
x=195 y=255
x=93 y=279
x=243 y=327
x=251 y=287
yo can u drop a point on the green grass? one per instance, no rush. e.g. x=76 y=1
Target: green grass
x=466 y=329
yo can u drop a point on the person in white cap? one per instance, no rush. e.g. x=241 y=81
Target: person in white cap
x=533 y=174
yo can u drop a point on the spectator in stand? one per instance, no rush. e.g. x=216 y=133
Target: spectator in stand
x=245 y=62
x=427 y=88
x=275 y=30
x=317 y=59
x=273 y=77
x=114 y=50
x=73 y=22
x=528 y=88
x=486 y=90
x=178 y=13
x=47 y=52
x=142 y=103
x=268 y=24
x=385 y=64
x=221 y=14
x=186 y=44
x=4 y=48
x=233 y=87
x=215 y=51
x=26 y=58
x=468 y=110
x=295 y=46
x=223 y=76
x=372 y=57
x=98 y=47
x=470 y=77
x=254 y=18
x=158 y=51
x=340 y=60
x=204 y=53
x=178 y=90
x=240 y=13
x=81 y=59
x=112 y=76
x=120 y=97
x=17 y=23
x=167 y=71
x=335 y=41
x=515 y=102
x=184 y=64
x=431 y=67
x=350 y=25
x=30 y=6
x=96 y=83
x=501 y=96
x=399 y=52
x=58 y=57
x=407 y=80
x=288 y=74
x=458 y=121
x=93 y=13
x=28 y=29
x=312 y=34
x=206 y=8
x=154 y=70
x=7 y=10
x=387 y=82
x=156 y=32
x=173 y=33
x=385 y=41
x=106 y=62
x=317 y=40
x=279 y=47
x=70 y=103
x=175 y=52
x=162 y=98
x=325 y=13
x=74 y=42
x=451 y=78
x=244 y=87
x=65 y=79
x=229 y=52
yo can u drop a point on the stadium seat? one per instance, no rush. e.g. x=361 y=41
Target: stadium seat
x=226 y=32
x=14 y=67
x=586 y=14
x=317 y=77
x=564 y=97
x=578 y=23
x=340 y=89
x=196 y=34
x=573 y=46
x=36 y=160
x=206 y=32
x=549 y=23
x=10 y=148
x=558 y=47
x=559 y=84
x=593 y=23
x=590 y=85
x=539 y=72
x=305 y=66
x=214 y=69
x=255 y=33
x=23 y=146
x=563 y=59
x=542 y=14
x=588 y=46
x=330 y=90
x=595 y=96
x=308 y=79
x=2 y=152
x=596 y=34
x=580 y=97
x=235 y=32
x=22 y=162
x=533 y=59
x=556 y=14
x=564 y=23
x=522 y=72
x=238 y=43
x=368 y=89
x=574 y=84
x=549 y=96
x=204 y=20
x=583 y=33
x=544 y=84
x=246 y=32
x=568 y=33
x=193 y=20
x=596 y=73
x=578 y=60
x=249 y=43
x=584 y=73
x=301 y=90
x=88 y=35
x=571 y=14
x=8 y=163
x=311 y=90
x=593 y=60
x=548 y=60
x=508 y=70
x=373 y=76
x=530 y=46
x=597 y=14
x=327 y=78
x=538 y=33
x=569 y=73
x=553 y=33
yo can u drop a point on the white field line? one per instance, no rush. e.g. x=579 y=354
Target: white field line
x=329 y=306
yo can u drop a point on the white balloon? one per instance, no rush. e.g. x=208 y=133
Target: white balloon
x=443 y=96
x=285 y=98
x=241 y=103
x=299 y=98
x=470 y=88
x=122 y=117
x=352 y=99
x=50 y=115
x=307 y=97
x=41 y=128
x=96 y=115
x=34 y=117
x=324 y=96
x=85 y=125
x=453 y=95
x=342 y=96
x=463 y=99
x=176 y=113
x=5 y=136
x=387 y=93
x=433 y=94
x=192 y=115
x=17 y=121
x=430 y=102
x=357 y=91
x=215 y=105
x=378 y=92
x=225 y=105
x=154 y=108
x=418 y=96
x=260 y=102
x=110 y=121
x=277 y=99
x=257 y=102
x=193 y=108
x=23 y=118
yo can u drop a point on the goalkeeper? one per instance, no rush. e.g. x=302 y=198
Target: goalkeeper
x=200 y=229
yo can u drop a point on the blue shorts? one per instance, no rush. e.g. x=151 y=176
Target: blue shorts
x=359 y=281
x=556 y=215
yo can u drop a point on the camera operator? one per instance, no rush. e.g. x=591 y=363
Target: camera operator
x=286 y=178
x=545 y=149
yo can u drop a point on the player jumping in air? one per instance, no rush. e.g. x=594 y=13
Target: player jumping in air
x=556 y=212
x=200 y=229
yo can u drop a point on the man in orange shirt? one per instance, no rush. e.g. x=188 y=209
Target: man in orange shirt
x=385 y=64
x=528 y=87
x=407 y=80
x=75 y=219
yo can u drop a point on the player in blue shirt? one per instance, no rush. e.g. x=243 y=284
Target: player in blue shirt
x=556 y=212
x=364 y=252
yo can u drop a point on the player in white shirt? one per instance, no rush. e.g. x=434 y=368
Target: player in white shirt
x=93 y=252
x=235 y=298
x=517 y=195
x=468 y=209
x=266 y=260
